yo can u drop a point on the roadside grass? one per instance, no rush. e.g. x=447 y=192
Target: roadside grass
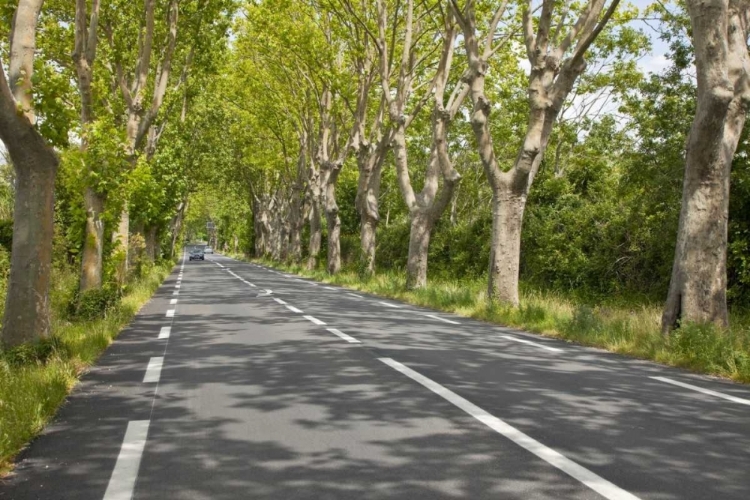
x=625 y=326
x=35 y=380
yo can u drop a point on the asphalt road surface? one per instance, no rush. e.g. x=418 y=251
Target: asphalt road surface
x=239 y=382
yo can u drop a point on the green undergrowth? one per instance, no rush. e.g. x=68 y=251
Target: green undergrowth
x=625 y=326
x=35 y=379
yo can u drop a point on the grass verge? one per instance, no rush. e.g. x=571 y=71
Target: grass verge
x=35 y=380
x=630 y=328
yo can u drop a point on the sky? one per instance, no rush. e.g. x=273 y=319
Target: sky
x=656 y=60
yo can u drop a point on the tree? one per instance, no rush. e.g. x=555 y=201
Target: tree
x=425 y=207
x=35 y=163
x=557 y=60
x=84 y=54
x=697 y=290
x=140 y=116
x=371 y=136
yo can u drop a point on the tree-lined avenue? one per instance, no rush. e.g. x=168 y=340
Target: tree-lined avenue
x=285 y=390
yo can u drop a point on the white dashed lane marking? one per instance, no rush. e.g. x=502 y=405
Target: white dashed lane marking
x=153 y=370
x=344 y=336
x=313 y=320
x=122 y=482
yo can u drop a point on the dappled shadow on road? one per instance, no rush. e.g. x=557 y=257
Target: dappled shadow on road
x=256 y=402
x=282 y=411
x=600 y=409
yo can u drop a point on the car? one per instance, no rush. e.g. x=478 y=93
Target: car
x=208 y=250
x=196 y=254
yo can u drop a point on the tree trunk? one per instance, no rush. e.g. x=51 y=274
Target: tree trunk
x=284 y=234
x=367 y=235
x=93 y=243
x=35 y=164
x=136 y=247
x=370 y=165
x=259 y=220
x=150 y=250
x=315 y=234
x=334 y=241
x=333 y=221
x=121 y=237
x=697 y=289
x=27 y=301
x=296 y=203
x=419 y=245
x=157 y=247
x=295 y=228
x=277 y=232
x=176 y=227
x=505 y=253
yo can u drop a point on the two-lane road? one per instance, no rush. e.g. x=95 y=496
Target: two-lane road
x=239 y=381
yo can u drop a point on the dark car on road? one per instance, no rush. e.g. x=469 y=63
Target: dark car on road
x=196 y=254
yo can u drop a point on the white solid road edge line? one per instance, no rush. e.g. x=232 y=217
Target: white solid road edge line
x=153 y=370
x=704 y=391
x=279 y=301
x=344 y=336
x=170 y=313
x=122 y=482
x=313 y=319
x=164 y=332
x=355 y=295
x=552 y=457
x=524 y=341
x=442 y=319
x=294 y=309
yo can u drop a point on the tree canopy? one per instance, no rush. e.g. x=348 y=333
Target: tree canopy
x=515 y=141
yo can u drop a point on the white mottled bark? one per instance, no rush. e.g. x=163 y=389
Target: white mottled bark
x=35 y=163
x=556 y=63
x=697 y=290
x=427 y=206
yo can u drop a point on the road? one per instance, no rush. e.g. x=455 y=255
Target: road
x=240 y=382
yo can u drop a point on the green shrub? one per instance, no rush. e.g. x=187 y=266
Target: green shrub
x=583 y=322
x=34 y=353
x=702 y=345
x=6 y=234
x=93 y=304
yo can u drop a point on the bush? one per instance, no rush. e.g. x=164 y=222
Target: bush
x=6 y=233
x=93 y=304
x=33 y=353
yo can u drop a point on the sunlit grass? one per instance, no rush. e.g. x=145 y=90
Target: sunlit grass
x=629 y=327
x=35 y=381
